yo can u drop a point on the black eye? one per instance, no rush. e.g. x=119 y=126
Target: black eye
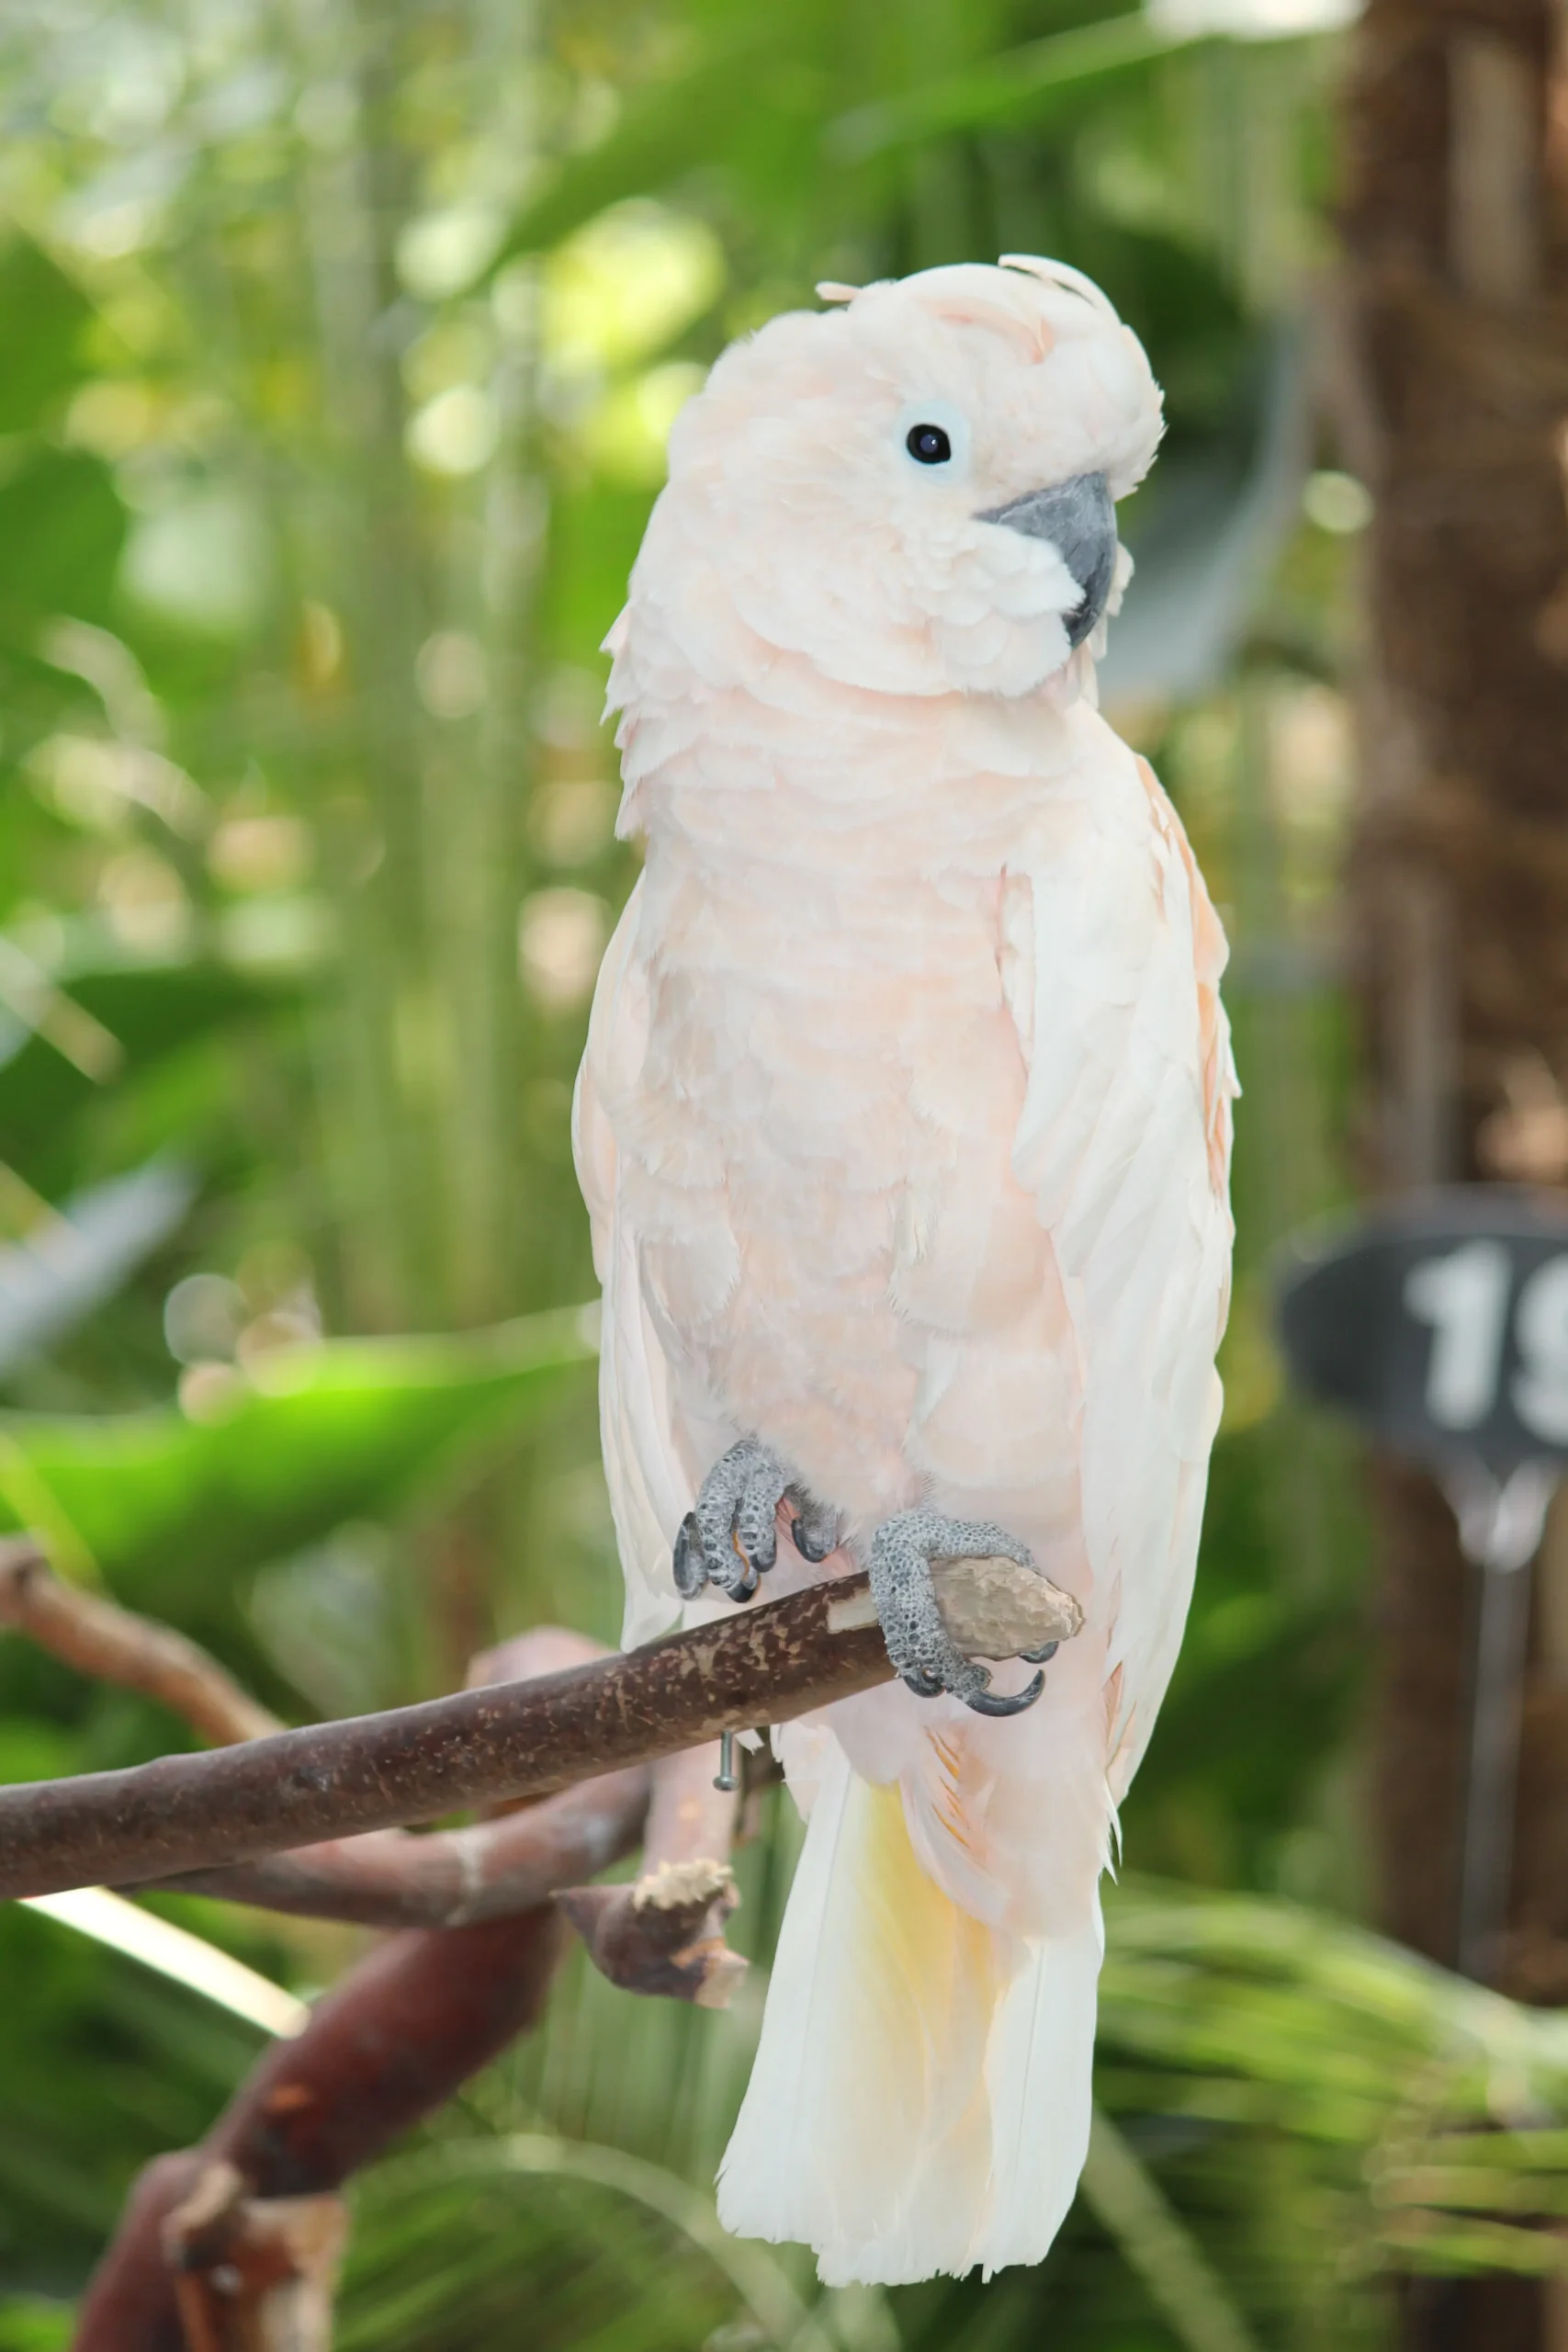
x=928 y=445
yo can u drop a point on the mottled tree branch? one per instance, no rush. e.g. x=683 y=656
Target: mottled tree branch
x=516 y=1740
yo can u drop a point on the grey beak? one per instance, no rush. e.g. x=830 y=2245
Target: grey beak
x=1078 y=517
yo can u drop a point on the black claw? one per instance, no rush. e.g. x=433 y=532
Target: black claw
x=924 y=1686
x=1042 y=1656
x=739 y=1579
x=690 y=1566
x=806 y=1547
x=986 y=1702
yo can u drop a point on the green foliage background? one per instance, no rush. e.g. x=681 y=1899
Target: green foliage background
x=340 y=342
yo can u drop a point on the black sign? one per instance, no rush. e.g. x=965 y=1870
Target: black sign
x=1442 y=1324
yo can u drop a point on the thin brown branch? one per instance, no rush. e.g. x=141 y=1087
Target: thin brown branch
x=450 y=1878
x=114 y=1644
x=761 y=1664
x=689 y=1818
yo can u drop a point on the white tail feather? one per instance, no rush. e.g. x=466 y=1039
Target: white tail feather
x=920 y=2097
x=1039 y=2075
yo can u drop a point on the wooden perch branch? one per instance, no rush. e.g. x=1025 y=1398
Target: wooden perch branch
x=390 y=1879
x=530 y=1739
x=387 y=1879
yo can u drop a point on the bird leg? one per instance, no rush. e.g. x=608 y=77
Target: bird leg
x=917 y=1641
x=731 y=1537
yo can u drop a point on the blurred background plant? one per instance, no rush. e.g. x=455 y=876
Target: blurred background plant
x=341 y=346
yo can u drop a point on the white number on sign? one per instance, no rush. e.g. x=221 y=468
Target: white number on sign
x=1540 y=1326
x=1465 y=1299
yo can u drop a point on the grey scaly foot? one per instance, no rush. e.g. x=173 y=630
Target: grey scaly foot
x=918 y=1642
x=731 y=1538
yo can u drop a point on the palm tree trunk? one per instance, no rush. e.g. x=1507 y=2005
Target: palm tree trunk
x=1455 y=316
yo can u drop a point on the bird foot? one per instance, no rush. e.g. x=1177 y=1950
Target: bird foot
x=917 y=1641
x=731 y=1537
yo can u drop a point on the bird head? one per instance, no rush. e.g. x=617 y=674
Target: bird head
x=915 y=489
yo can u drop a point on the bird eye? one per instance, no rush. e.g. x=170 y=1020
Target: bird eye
x=928 y=445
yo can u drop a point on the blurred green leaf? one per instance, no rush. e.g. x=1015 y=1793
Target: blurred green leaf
x=636 y=2257
x=29 y=2323
x=1031 y=84
x=1124 y=2198
x=141 y=1014
x=61 y=526
x=1404 y=2094
x=665 y=133
x=104 y=2065
x=344 y=1429
x=45 y=361
x=54 y=1277
x=36 y=698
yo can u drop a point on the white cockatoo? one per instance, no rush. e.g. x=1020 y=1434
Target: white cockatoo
x=905 y=1127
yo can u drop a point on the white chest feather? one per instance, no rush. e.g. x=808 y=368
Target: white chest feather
x=817 y=1131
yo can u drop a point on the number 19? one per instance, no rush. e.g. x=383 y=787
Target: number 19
x=1463 y=1297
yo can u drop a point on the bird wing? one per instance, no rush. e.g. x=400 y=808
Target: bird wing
x=1111 y=959
x=650 y=1488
